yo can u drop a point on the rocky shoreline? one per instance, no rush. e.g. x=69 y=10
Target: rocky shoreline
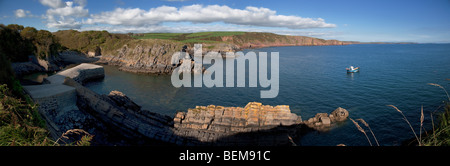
x=115 y=119
x=252 y=125
x=52 y=64
x=153 y=57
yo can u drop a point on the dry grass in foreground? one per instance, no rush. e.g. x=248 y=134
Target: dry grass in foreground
x=440 y=135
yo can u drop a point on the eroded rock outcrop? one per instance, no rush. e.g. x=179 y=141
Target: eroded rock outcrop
x=117 y=116
x=252 y=125
x=155 y=55
x=143 y=56
x=323 y=121
x=123 y=116
x=255 y=124
x=258 y=40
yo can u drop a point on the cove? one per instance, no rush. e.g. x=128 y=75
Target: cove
x=313 y=79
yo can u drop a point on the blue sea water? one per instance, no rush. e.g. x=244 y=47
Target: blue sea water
x=313 y=79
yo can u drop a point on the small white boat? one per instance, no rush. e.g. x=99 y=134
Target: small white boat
x=352 y=69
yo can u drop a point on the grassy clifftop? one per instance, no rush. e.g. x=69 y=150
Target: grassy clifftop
x=241 y=39
x=89 y=40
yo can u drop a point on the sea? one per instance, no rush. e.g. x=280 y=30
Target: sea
x=313 y=79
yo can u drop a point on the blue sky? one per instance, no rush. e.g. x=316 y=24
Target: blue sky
x=421 y=21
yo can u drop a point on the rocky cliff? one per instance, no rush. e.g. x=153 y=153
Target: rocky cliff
x=154 y=55
x=143 y=56
x=257 y=40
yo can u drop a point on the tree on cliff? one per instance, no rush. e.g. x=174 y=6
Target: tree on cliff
x=87 y=40
x=14 y=47
x=46 y=44
x=19 y=42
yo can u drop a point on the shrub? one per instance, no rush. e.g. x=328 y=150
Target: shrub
x=20 y=123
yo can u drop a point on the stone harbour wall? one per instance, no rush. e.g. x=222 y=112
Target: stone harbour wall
x=57 y=103
x=123 y=116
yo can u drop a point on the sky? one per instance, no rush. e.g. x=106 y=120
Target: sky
x=423 y=21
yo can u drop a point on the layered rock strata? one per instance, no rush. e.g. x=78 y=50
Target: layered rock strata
x=123 y=116
x=154 y=56
x=144 y=57
x=255 y=124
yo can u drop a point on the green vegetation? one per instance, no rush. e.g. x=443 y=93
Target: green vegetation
x=441 y=133
x=214 y=34
x=87 y=40
x=20 y=123
x=19 y=42
x=170 y=36
x=259 y=36
x=199 y=37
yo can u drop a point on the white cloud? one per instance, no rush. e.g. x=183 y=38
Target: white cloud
x=81 y=2
x=69 y=10
x=53 y=3
x=193 y=18
x=64 y=23
x=64 y=16
x=200 y=27
x=251 y=16
x=20 y=13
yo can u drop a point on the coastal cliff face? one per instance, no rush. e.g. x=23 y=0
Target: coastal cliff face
x=154 y=55
x=151 y=53
x=143 y=56
x=257 y=40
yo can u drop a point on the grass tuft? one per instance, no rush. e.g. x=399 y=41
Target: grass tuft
x=407 y=121
x=361 y=130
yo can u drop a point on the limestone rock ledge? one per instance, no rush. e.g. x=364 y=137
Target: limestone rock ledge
x=254 y=116
x=255 y=124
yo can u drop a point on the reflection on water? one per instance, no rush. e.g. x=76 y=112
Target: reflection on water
x=351 y=76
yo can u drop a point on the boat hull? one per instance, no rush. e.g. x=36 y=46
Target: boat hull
x=352 y=71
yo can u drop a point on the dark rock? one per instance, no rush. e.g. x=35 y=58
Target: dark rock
x=123 y=101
